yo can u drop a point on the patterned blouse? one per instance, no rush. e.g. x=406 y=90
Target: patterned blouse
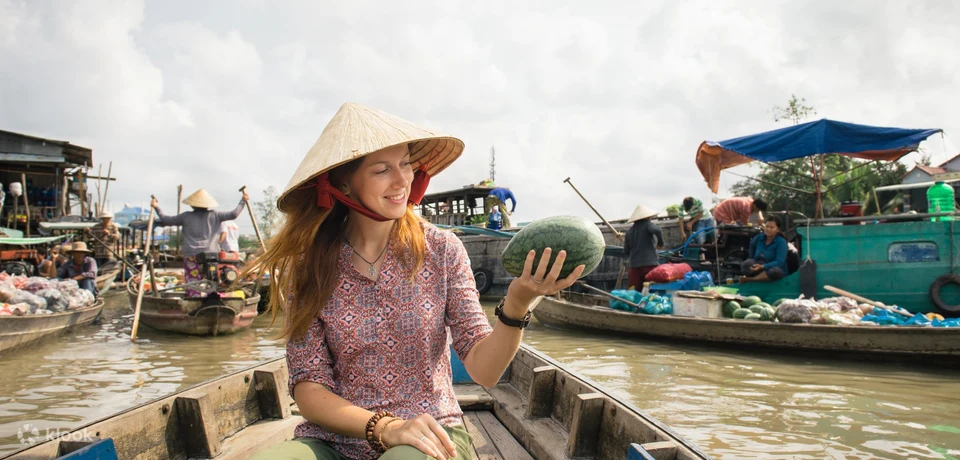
x=382 y=345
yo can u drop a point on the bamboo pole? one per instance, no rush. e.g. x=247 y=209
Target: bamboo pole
x=26 y=202
x=107 y=187
x=615 y=231
x=143 y=278
x=179 y=227
x=256 y=228
x=99 y=205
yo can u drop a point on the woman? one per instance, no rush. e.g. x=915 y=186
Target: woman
x=640 y=246
x=768 y=254
x=200 y=231
x=371 y=291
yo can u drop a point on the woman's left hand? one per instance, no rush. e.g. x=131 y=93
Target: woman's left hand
x=530 y=285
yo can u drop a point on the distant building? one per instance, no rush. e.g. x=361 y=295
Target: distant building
x=130 y=214
x=921 y=177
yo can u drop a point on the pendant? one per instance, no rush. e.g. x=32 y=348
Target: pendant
x=372 y=273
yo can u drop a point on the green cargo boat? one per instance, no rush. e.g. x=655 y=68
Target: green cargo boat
x=896 y=263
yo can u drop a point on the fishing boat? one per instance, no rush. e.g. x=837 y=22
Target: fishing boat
x=217 y=314
x=589 y=312
x=17 y=331
x=538 y=410
x=106 y=277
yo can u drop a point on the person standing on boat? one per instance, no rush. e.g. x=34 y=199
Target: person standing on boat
x=699 y=219
x=498 y=198
x=107 y=234
x=739 y=210
x=640 y=245
x=229 y=236
x=201 y=228
x=80 y=267
x=370 y=293
x=768 y=254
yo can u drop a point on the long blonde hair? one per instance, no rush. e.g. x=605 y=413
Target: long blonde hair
x=303 y=256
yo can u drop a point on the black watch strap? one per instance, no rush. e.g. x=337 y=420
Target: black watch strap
x=510 y=321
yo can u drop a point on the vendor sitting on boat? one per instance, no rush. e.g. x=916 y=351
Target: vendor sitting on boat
x=201 y=231
x=740 y=210
x=80 y=267
x=768 y=254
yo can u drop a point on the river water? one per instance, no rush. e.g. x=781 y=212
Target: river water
x=732 y=403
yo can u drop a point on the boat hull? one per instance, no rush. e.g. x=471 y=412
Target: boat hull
x=205 y=317
x=588 y=312
x=105 y=280
x=17 y=331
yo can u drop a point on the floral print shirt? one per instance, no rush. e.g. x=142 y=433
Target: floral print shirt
x=383 y=345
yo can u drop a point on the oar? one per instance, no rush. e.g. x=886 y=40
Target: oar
x=143 y=277
x=602 y=292
x=119 y=257
x=615 y=231
x=867 y=301
x=254 y=220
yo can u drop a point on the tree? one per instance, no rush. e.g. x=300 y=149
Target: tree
x=790 y=185
x=248 y=243
x=268 y=216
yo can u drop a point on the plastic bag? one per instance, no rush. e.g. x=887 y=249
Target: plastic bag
x=38 y=283
x=86 y=297
x=626 y=294
x=54 y=298
x=6 y=291
x=796 y=311
x=18 y=281
x=67 y=286
x=696 y=281
x=19 y=309
x=33 y=302
x=667 y=273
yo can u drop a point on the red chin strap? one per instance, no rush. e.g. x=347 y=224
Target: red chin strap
x=326 y=193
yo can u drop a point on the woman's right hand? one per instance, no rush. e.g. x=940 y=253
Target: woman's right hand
x=423 y=433
x=153 y=203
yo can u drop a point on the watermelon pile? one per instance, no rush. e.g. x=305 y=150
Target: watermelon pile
x=751 y=308
x=580 y=237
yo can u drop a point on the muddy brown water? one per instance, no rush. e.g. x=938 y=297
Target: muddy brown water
x=733 y=403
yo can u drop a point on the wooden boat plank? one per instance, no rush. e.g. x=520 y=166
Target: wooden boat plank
x=472 y=397
x=505 y=443
x=258 y=436
x=483 y=448
x=544 y=438
x=585 y=429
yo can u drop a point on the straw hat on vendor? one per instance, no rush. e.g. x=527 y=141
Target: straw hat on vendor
x=201 y=199
x=641 y=212
x=351 y=252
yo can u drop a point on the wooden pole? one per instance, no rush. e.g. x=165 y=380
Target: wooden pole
x=615 y=231
x=602 y=292
x=99 y=197
x=254 y=220
x=82 y=192
x=26 y=202
x=143 y=277
x=107 y=188
x=65 y=202
x=179 y=228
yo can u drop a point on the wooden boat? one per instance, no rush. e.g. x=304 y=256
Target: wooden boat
x=17 y=331
x=590 y=312
x=539 y=410
x=105 y=279
x=214 y=315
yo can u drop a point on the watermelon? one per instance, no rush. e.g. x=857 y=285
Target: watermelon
x=580 y=237
x=756 y=308
x=763 y=304
x=750 y=301
x=741 y=313
x=753 y=317
x=777 y=303
x=729 y=308
x=767 y=314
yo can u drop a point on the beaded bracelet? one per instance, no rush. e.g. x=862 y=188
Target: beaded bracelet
x=371 y=424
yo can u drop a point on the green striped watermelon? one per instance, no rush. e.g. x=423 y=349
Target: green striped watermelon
x=580 y=237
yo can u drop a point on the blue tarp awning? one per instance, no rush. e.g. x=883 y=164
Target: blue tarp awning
x=813 y=138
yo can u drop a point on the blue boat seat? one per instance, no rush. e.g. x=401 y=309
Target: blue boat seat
x=103 y=449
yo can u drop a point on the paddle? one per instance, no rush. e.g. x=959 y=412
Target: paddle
x=616 y=232
x=865 y=300
x=118 y=256
x=602 y=292
x=143 y=277
x=254 y=220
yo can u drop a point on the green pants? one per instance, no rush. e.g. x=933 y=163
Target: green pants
x=315 y=449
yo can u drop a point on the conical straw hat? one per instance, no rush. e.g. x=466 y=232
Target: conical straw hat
x=356 y=130
x=201 y=199
x=641 y=212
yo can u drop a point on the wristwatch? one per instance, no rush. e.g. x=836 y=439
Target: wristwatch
x=510 y=321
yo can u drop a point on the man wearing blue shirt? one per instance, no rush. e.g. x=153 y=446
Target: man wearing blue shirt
x=498 y=198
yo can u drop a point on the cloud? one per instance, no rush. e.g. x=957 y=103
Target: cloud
x=616 y=96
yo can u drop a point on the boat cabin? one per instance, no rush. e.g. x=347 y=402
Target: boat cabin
x=463 y=206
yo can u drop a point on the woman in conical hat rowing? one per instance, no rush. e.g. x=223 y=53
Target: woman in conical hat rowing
x=370 y=291
x=201 y=227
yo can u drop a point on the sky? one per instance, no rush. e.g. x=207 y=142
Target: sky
x=615 y=95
